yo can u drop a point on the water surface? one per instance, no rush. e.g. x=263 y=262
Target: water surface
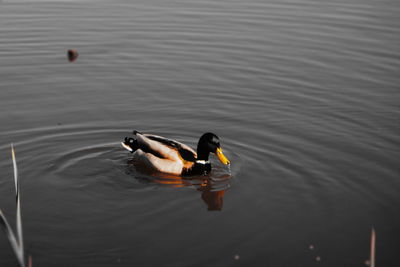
x=304 y=95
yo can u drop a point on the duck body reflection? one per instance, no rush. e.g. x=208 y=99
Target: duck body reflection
x=211 y=186
x=213 y=197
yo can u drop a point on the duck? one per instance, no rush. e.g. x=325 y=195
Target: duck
x=172 y=157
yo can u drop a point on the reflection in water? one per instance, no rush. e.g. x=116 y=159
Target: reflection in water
x=213 y=198
x=211 y=186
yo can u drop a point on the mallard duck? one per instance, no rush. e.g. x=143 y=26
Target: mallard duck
x=170 y=156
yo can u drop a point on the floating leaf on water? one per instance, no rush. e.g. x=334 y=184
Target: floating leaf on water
x=72 y=55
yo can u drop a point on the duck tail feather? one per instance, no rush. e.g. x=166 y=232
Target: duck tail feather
x=132 y=144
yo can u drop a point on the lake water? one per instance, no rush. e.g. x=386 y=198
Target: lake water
x=304 y=94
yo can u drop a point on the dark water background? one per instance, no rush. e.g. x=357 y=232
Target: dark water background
x=304 y=94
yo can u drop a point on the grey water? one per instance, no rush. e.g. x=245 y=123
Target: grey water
x=304 y=95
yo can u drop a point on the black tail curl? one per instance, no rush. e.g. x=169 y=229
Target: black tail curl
x=132 y=143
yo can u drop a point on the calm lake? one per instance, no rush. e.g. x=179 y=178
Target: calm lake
x=304 y=95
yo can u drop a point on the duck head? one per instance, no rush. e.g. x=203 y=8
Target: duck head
x=209 y=143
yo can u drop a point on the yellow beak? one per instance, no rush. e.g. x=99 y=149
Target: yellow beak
x=222 y=157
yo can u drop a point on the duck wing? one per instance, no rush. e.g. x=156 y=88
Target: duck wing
x=165 y=148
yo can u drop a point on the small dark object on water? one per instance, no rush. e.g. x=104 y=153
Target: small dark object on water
x=72 y=55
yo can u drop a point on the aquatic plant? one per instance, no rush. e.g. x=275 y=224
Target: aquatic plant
x=372 y=253
x=16 y=241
